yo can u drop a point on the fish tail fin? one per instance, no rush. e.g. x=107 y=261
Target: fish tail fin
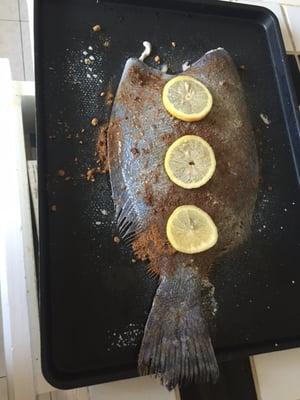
x=176 y=346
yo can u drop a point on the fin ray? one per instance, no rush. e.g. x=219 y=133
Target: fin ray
x=176 y=345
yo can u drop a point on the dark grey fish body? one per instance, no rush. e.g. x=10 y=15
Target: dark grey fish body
x=176 y=344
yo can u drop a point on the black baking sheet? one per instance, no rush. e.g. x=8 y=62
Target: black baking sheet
x=94 y=299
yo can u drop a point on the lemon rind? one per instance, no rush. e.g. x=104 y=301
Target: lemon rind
x=191 y=250
x=179 y=114
x=192 y=185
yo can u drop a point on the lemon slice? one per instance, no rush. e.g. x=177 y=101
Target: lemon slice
x=187 y=98
x=190 y=162
x=191 y=230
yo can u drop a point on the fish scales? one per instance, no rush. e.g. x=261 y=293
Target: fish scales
x=139 y=134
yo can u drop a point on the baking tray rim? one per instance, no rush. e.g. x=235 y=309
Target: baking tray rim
x=292 y=120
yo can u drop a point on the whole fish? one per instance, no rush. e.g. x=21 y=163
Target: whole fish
x=176 y=345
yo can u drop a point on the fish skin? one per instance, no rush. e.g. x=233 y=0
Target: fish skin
x=139 y=135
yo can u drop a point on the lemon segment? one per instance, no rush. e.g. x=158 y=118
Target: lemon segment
x=191 y=230
x=186 y=98
x=190 y=162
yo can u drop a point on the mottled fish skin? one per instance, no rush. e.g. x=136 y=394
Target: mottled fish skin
x=139 y=135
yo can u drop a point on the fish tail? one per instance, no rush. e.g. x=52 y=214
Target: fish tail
x=176 y=346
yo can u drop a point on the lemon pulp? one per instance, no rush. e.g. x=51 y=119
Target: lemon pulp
x=191 y=230
x=190 y=162
x=186 y=98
